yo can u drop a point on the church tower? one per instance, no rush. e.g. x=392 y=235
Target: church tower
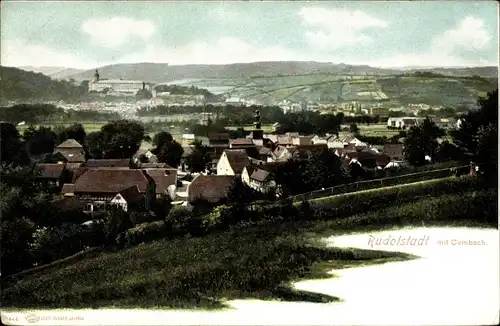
x=96 y=76
x=257 y=133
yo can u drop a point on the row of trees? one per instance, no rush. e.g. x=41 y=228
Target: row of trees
x=40 y=113
x=476 y=139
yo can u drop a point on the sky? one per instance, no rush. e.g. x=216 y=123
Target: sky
x=85 y=35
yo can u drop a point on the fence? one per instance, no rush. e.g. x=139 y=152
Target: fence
x=384 y=182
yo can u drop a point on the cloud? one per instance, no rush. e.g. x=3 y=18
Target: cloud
x=222 y=14
x=222 y=51
x=16 y=53
x=116 y=31
x=469 y=34
x=336 y=28
x=448 y=48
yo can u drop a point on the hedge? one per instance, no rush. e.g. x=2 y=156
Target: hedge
x=377 y=183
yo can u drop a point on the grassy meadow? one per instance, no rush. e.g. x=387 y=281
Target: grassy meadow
x=257 y=260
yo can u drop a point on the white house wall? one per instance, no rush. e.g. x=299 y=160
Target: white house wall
x=223 y=166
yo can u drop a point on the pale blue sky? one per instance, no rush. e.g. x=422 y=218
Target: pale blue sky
x=88 y=34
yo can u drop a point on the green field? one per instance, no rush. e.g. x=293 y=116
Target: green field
x=89 y=127
x=267 y=128
x=396 y=91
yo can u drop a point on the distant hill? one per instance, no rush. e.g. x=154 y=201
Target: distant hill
x=18 y=84
x=162 y=72
x=489 y=71
x=54 y=72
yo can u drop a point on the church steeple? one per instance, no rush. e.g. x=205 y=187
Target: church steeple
x=257 y=133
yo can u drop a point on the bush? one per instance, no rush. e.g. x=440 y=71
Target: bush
x=53 y=243
x=144 y=232
x=178 y=219
x=16 y=235
x=219 y=218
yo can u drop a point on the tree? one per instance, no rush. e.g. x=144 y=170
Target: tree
x=477 y=135
x=421 y=141
x=115 y=223
x=117 y=139
x=487 y=153
x=16 y=236
x=353 y=128
x=11 y=145
x=448 y=152
x=95 y=144
x=199 y=159
x=76 y=131
x=170 y=153
x=39 y=141
x=161 y=138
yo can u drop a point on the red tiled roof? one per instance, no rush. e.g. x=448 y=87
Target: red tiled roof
x=70 y=143
x=72 y=154
x=110 y=180
x=68 y=204
x=156 y=166
x=131 y=194
x=260 y=175
x=107 y=163
x=50 y=170
x=212 y=188
x=284 y=140
x=393 y=150
x=238 y=159
x=218 y=136
x=163 y=178
x=242 y=141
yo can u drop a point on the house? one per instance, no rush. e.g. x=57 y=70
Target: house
x=68 y=204
x=68 y=190
x=302 y=140
x=108 y=163
x=154 y=166
x=403 y=122
x=394 y=151
x=70 y=151
x=218 y=139
x=368 y=160
x=271 y=137
x=241 y=143
x=260 y=176
x=232 y=162
x=263 y=153
x=128 y=199
x=318 y=140
x=444 y=123
x=281 y=153
x=284 y=153
x=99 y=186
x=53 y=174
x=342 y=142
x=284 y=140
x=165 y=181
x=210 y=188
